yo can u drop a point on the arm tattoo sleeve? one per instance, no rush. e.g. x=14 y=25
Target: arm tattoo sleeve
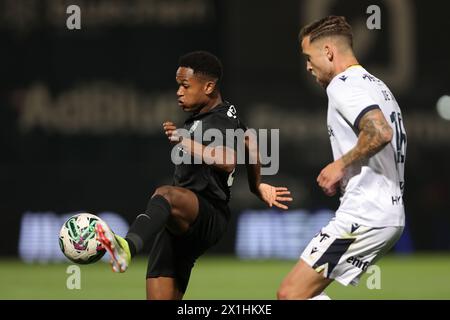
x=374 y=134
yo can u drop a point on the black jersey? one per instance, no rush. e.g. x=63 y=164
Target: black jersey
x=204 y=179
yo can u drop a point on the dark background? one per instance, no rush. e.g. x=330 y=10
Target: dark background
x=81 y=110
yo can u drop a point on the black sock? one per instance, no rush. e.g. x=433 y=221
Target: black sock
x=146 y=226
x=131 y=246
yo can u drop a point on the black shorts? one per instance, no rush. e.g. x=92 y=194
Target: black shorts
x=174 y=256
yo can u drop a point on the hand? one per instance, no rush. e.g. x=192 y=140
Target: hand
x=271 y=195
x=330 y=177
x=171 y=131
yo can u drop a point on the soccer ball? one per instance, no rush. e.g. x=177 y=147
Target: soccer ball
x=78 y=241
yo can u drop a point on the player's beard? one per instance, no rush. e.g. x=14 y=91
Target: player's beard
x=325 y=80
x=324 y=84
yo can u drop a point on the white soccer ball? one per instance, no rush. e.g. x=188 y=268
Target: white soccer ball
x=78 y=241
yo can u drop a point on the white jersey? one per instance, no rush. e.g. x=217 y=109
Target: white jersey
x=371 y=190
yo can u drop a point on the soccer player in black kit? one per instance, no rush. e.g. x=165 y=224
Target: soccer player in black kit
x=185 y=219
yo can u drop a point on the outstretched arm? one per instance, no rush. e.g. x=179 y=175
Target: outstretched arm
x=375 y=134
x=269 y=194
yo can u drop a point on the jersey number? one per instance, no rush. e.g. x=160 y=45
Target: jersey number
x=400 y=136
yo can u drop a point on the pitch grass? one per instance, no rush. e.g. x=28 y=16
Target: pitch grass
x=222 y=278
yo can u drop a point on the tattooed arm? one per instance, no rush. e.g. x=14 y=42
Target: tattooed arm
x=374 y=134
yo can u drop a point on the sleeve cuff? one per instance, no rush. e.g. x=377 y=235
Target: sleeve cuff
x=362 y=113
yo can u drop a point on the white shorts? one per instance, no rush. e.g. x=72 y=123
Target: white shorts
x=343 y=250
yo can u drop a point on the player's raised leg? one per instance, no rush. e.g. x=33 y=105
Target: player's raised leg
x=170 y=206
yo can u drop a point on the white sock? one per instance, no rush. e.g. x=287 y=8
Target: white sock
x=321 y=296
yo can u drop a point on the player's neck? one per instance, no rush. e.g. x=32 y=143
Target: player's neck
x=344 y=64
x=212 y=103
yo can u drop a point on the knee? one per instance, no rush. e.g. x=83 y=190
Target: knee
x=289 y=293
x=283 y=293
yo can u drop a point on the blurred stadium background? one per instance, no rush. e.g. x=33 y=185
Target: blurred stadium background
x=80 y=122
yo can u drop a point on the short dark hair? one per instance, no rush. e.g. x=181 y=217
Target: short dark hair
x=202 y=62
x=328 y=26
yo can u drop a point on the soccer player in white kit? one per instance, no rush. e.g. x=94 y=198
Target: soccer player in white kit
x=368 y=139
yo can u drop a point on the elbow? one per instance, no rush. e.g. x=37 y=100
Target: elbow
x=228 y=168
x=230 y=160
x=221 y=158
x=253 y=189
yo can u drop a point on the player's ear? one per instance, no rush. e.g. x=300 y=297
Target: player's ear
x=328 y=52
x=210 y=86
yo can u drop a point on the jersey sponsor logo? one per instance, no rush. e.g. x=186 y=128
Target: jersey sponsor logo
x=358 y=262
x=231 y=112
x=314 y=250
x=397 y=200
x=343 y=78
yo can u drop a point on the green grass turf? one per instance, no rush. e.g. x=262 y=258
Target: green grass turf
x=402 y=277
